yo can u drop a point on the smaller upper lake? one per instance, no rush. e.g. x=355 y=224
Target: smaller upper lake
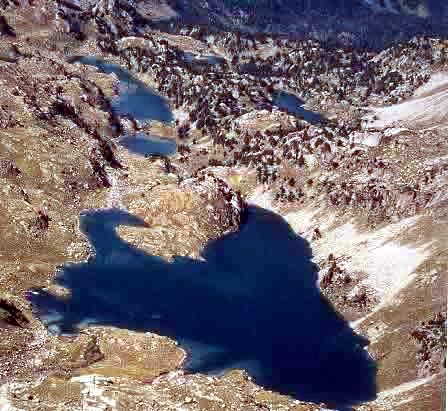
x=145 y=144
x=294 y=105
x=135 y=98
x=210 y=59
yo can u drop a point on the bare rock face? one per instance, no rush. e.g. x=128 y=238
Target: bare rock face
x=125 y=353
x=344 y=288
x=182 y=218
x=225 y=209
x=430 y=339
x=10 y=315
x=8 y=169
x=5 y=28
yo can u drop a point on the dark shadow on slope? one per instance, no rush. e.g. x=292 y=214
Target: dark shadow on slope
x=135 y=97
x=252 y=302
x=327 y=18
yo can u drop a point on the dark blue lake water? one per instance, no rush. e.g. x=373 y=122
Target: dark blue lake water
x=252 y=302
x=200 y=59
x=135 y=97
x=144 y=144
x=294 y=105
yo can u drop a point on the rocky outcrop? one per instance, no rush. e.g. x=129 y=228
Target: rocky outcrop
x=430 y=338
x=183 y=218
x=224 y=208
x=10 y=315
x=5 y=28
x=8 y=168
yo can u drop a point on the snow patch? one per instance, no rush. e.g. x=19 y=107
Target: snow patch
x=388 y=265
x=428 y=107
x=181 y=115
x=114 y=195
x=5 y=404
x=437 y=80
x=261 y=198
x=372 y=139
x=407 y=386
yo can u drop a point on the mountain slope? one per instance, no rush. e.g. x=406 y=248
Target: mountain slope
x=373 y=23
x=369 y=197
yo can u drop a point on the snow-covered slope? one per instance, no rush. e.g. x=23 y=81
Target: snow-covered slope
x=427 y=108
